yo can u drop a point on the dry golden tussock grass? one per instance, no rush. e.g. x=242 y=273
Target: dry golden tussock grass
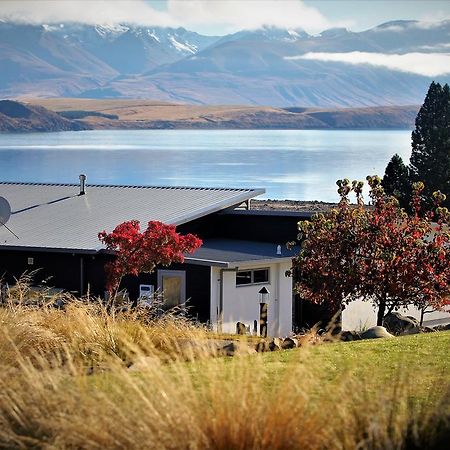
x=82 y=378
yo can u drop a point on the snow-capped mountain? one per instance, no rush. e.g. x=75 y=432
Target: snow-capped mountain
x=267 y=33
x=65 y=59
x=267 y=66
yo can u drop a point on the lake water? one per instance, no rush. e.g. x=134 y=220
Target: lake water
x=297 y=164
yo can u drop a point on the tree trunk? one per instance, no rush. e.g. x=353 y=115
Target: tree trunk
x=381 y=311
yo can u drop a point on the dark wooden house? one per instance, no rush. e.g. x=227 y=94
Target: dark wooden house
x=243 y=250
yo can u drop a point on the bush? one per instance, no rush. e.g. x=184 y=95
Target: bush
x=81 y=378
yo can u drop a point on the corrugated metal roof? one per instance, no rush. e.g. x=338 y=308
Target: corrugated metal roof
x=231 y=252
x=54 y=216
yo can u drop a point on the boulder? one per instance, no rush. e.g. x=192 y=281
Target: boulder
x=376 y=333
x=262 y=346
x=275 y=344
x=412 y=330
x=241 y=328
x=396 y=323
x=198 y=348
x=236 y=348
x=350 y=336
x=312 y=338
x=442 y=327
x=289 y=342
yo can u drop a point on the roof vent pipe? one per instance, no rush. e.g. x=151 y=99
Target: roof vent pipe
x=82 y=184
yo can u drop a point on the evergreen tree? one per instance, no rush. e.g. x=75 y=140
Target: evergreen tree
x=396 y=181
x=430 y=158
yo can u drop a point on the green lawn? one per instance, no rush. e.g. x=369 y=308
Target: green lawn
x=66 y=386
x=423 y=360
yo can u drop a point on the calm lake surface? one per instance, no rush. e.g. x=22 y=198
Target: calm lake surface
x=297 y=164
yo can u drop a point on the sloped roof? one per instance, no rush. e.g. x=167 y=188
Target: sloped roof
x=233 y=252
x=55 y=216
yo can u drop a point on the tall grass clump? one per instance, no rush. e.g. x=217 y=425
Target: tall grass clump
x=80 y=377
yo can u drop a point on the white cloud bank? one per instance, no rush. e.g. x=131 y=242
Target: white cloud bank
x=427 y=64
x=101 y=12
x=227 y=15
x=235 y=15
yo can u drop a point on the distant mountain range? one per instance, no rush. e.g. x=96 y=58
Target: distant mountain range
x=260 y=67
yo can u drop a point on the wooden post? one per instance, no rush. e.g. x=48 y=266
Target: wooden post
x=263 y=307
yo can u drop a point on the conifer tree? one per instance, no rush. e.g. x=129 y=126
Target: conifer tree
x=396 y=181
x=430 y=158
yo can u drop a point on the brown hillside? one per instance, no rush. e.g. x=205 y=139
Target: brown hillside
x=148 y=114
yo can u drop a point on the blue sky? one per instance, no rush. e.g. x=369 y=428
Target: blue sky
x=355 y=14
x=368 y=13
x=226 y=16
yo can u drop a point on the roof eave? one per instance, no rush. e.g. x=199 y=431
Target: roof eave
x=48 y=249
x=236 y=264
x=205 y=262
x=219 y=206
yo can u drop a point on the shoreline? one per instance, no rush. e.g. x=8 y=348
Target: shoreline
x=291 y=205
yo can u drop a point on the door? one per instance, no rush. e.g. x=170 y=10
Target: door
x=172 y=284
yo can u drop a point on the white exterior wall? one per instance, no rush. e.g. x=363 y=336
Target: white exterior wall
x=360 y=315
x=241 y=303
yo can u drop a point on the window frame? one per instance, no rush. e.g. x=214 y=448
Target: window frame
x=252 y=277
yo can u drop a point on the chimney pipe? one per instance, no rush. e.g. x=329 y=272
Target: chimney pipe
x=82 y=184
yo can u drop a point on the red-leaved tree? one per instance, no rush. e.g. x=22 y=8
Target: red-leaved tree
x=137 y=252
x=379 y=254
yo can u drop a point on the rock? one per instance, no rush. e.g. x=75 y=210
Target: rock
x=236 y=348
x=375 y=333
x=413 y=330
x=413 y=319
x=396 y=323
x=198 y=348
x=289 y=343
x=350 y=336
x=262 y=346
x=275 y=344
x=311 y=338
x=241 y=328
x=442 y=327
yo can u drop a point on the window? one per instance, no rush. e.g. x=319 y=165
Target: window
x=244 y=277
x=261 y=276
x=254 y=276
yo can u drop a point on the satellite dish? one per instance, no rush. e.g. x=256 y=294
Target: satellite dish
x=5 y=211
x=5 y=214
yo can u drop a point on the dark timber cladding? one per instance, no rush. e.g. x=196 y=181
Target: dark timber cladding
x=74 y=272
x=263 y=226
x=58 y=224
x=198 y=287
x=80 y=273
